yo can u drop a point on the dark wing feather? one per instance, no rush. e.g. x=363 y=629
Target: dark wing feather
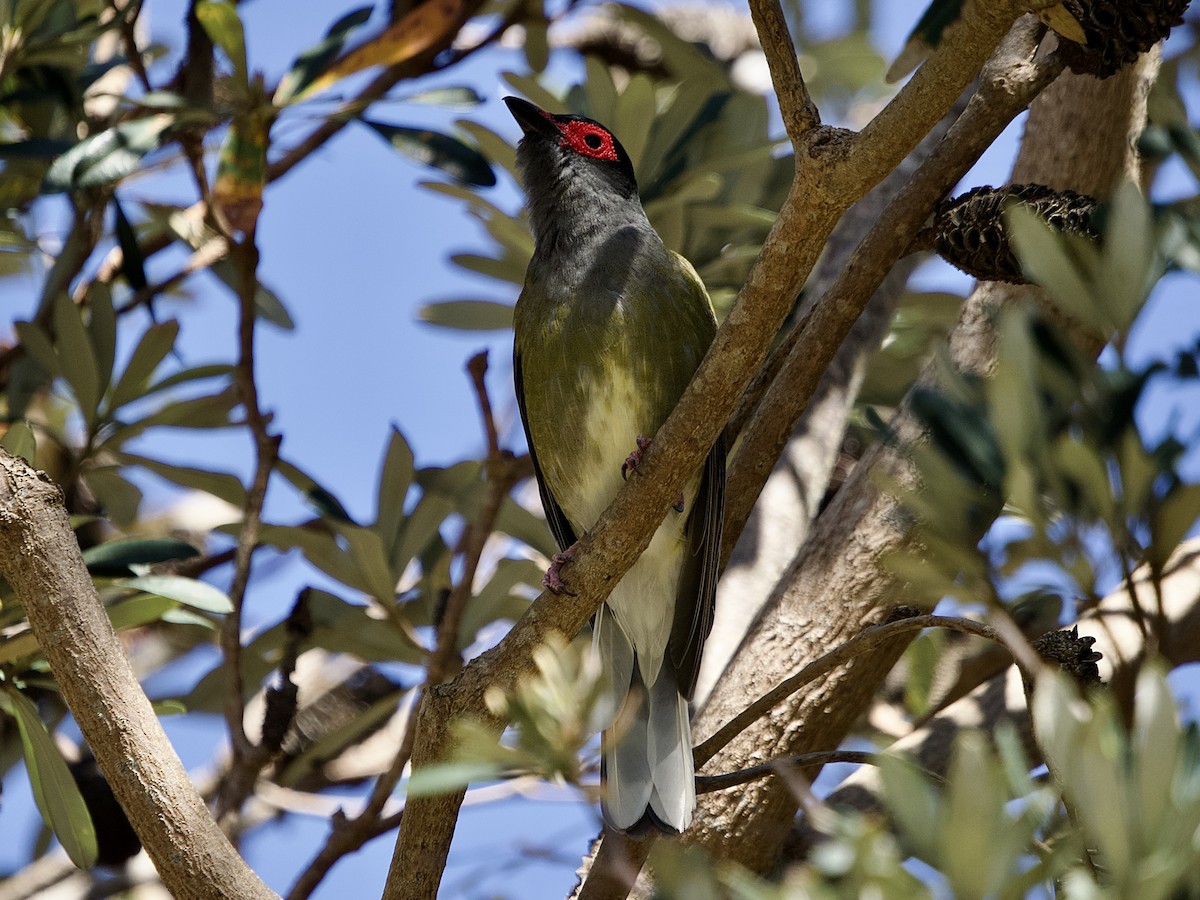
x=697 y=595
x=564 y=534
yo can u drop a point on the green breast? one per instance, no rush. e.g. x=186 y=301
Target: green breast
x=602 y=365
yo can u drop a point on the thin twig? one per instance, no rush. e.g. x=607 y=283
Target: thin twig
x=865 y=641
x=707 y=783
x=503 y=471
x=128 y=28
x=800 y=114
x=801 y=358
x=247 y=759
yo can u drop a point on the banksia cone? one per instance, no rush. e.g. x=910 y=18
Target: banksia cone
x=1117 y=31
x=968 y=231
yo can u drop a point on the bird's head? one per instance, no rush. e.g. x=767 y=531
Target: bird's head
x=569 y=159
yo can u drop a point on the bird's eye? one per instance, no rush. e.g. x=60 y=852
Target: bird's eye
x=589 y=139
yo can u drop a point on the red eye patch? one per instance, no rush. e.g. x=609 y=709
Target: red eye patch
x=588 y=139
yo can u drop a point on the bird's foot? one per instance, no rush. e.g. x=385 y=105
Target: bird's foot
x=552 y=580
x=632 y=460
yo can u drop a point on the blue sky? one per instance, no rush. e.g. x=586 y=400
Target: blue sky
x=354 y=248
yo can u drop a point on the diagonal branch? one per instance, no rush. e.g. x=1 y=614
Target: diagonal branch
x=41 y=560
x=813 y=205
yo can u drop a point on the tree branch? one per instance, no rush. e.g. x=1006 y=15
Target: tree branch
x=839 y=578
x=41 y=560
x=812 y=207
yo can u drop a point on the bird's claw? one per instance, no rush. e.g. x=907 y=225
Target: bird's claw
x=678 y=504
x=552 y=580
x=632 y=460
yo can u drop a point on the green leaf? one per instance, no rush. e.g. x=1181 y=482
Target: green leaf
x=151 y=350
x=1155 y=739
x=370 y=560
x=224 y=28
x=196 y=373
x=516 y=521
x=437 y=150
x=143 y=609
x=636 y=110
x=974 y=818
x=206 y=411
x=39 y=346
x=219 y=484
x=536 y=45
x=76 y=357
x=188 y=591
x=1053 y=260
x=500 y=269
x=1128 y=264
x=119 y=498
x=133 y=265
x=468 y=315
x=267 y=305
x=319 y=546
x=106 y=157
x=443 y=778
x=497 y=599
x=420 y=527
x=342 y=627
x=913 y=802
x=322 y=500
x=461 y=97
x=316 y=59
x=19 y=441
x=102 y=329
x=114 y=558
x=394 y=481
x=57 y=796
x=493 y=147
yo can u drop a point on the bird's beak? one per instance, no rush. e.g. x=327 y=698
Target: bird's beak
x=531 y=119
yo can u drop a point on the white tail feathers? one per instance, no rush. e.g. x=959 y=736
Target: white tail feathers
x=648 y=772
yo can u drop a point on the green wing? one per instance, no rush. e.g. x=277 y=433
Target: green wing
x=564 y=534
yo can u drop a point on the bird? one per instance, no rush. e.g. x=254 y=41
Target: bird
x=609 y=327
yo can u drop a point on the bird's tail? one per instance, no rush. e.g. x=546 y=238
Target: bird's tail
x=647 y=763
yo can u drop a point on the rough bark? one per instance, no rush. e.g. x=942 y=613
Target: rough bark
x=833 y=170
x=41 y=560
x=837 y=581
x=1113 y=623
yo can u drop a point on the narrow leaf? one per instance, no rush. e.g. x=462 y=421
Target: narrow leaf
x=39 y=346
x=133 y=265
x=144 y=609
x=108 y=156
x=442 y=778
x=418 y=31
x=57 y=796
x=102 y=329
x=224 y=28
x=219 y=484
x=151 y=350
x=188 y=591
x=18 y=440
x=459 y=97
x=114 y=558
x=316 y=59
x=438 y=151
x=76 y=357
x=468 y=315
x=394 y=481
